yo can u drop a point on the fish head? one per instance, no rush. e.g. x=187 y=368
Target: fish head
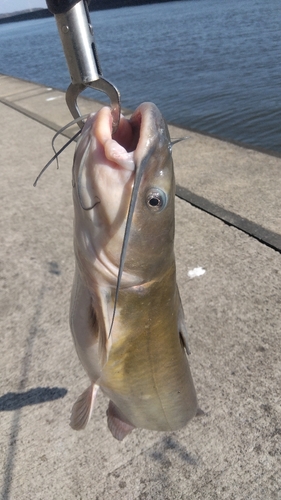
x=124 y=196
x=151 y=232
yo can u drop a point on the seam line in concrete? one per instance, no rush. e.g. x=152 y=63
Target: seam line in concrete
x=27 y=94
x=265 y=236
x=34 y=116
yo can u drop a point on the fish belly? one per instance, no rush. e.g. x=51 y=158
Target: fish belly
x=147 y=375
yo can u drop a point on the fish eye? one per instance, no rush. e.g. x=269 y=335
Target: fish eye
x=156 y=199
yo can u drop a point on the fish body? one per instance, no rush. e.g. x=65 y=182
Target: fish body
x=131 y=341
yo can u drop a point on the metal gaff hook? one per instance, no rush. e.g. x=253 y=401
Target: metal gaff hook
x=77 y=37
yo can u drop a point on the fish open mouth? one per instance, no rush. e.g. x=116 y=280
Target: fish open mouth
x=118 y=161
x=132 y=135
x=128 y=132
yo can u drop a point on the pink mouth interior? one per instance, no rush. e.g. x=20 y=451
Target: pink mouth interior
x=119 y=148
x=128 y=132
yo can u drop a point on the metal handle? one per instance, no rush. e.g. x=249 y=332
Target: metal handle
x=77 y=39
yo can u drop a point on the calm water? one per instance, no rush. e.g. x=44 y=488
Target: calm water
x=213 y=65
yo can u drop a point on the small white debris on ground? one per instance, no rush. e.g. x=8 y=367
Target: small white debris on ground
x=53 y=98
x=197 y=271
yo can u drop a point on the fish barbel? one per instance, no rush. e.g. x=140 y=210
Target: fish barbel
x=128 y=326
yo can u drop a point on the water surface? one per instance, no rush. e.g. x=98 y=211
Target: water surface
x=213 y=65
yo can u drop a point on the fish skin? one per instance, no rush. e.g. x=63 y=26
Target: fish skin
x=142 y=365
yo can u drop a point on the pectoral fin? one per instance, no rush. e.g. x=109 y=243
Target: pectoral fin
x=82 y=409
x=117 y=423
x=182 y=326
x=101 y=305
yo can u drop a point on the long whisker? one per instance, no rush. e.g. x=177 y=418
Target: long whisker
x=57 y=153
x=73 y=122
x=139 y=169
x=56 y=156
x=175 y=141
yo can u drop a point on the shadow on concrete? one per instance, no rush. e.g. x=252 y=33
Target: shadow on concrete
x=16 y=400
x=169 y=443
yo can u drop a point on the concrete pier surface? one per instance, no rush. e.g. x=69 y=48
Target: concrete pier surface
x=231 y=227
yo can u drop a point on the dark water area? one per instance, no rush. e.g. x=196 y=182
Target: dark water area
x=214 y=66
x=94 y=5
